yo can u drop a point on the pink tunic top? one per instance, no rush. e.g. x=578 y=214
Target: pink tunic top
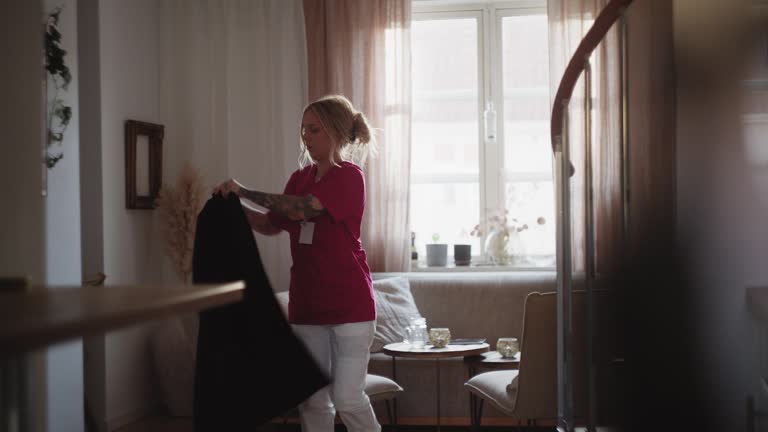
x=330 y=278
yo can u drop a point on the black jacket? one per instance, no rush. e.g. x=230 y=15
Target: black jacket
x=250 y=366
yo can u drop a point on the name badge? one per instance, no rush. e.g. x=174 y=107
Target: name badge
x=307 y=232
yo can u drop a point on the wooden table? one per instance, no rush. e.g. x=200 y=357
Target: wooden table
x=34 y=317
x=429 y=352
x=491 y=360
x=39 y=316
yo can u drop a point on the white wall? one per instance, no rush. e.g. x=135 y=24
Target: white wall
x=120 y=82
x=129 y=88
x=92 y=232
x=121 y=69
x=65 y=361
x=233 y=84
x=63 y=221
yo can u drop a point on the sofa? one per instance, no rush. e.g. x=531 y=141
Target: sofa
x=472 y=305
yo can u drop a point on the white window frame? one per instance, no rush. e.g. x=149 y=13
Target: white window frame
x=489 y=15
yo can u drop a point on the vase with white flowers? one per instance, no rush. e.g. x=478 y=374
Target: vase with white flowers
x=502 y=236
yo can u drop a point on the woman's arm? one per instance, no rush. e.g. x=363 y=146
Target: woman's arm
x=290 y=206
x=260 y=223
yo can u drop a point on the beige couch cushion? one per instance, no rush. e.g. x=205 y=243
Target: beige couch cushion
x=478 y=305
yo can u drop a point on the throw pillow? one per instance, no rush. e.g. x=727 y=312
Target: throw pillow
x=394 y=307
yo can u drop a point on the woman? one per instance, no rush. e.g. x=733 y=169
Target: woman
x=331 y=304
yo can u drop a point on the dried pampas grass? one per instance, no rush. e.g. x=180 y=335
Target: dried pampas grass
x=178 y=209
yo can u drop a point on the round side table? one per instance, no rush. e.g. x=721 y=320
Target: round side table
x=490 y=360
x=400 y=349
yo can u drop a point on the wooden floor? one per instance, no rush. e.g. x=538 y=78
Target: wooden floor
x=159 y=424
x=166 y=424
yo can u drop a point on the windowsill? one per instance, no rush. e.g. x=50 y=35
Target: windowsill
x=421 y=267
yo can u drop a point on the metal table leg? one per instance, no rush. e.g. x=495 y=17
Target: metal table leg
x=394 y=401
x=437 y=369
x=471 y=371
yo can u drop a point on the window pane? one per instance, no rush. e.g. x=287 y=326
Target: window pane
x=445 y=96
x=527 y=202
x=528 y=188
x=445 y=189
x=525 y=77
x=450 y=210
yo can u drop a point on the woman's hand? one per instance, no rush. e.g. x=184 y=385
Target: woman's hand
x=259 y=222
x=229 y=186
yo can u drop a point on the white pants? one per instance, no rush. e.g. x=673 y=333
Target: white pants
x=342 y=351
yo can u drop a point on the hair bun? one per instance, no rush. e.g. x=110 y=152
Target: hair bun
x=360 y=129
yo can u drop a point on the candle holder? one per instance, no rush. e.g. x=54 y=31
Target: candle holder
x=508 y=347
x=439 y=337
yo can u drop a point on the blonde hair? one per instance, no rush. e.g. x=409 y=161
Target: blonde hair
x=351 y=137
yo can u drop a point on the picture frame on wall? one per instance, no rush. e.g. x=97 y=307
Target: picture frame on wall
x=143 y=163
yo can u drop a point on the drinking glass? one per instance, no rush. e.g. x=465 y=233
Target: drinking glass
x=416 y=332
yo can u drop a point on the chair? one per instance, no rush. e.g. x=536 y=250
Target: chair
x=530 y=393
x=380 y=388
x=377 y=388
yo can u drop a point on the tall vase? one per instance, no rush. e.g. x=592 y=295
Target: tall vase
x=496 y=247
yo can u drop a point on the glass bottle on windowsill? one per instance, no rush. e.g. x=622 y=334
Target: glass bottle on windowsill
x=414 y=253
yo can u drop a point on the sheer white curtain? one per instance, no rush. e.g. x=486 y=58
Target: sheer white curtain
x=362 y=49
x=569 y=21
x=232 y=87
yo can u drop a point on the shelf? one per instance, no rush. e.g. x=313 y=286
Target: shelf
x=541 y=265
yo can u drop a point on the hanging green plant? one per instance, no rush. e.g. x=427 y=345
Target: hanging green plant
x=58 y=114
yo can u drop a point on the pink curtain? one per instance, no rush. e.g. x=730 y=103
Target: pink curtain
x=361 y=49
x=569 y=20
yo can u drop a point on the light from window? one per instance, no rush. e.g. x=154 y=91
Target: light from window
x=528 y=188
x=458 y=177
x=445 y=179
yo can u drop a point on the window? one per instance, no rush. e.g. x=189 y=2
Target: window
x=470 y=63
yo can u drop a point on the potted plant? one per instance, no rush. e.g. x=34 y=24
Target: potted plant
x=462 y=254
x=437 y=253
x=58 y=114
